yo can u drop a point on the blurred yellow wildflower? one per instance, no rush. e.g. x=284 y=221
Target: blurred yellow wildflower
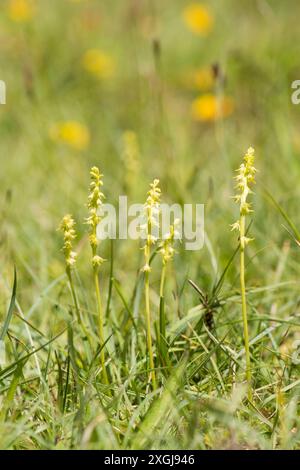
x=98 y=63
x=209 y=107
x=21 y=11
x=201 y=79
x=198 y=19
x=72 y=133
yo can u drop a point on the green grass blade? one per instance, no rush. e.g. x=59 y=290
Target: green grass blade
x=284 y=215
x=11 y=392
x=10 y=309
x=159 y=409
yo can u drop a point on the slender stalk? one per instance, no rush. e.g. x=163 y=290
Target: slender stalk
x=162 y=318
x=166 y=249
x=74 y=296
x=95 y=201
x=100 y=326
x=245 y=179
x=111 y=272
x=151 y=214
x=85 y=336
x=148 y=326
x=162 y=281
x=67 y=226
x=148 y=312
x=244 y=305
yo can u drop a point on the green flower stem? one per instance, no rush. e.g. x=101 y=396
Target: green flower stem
x=162 y=281
x=74 y=296
x=148 y=326
x=162 y=320
x=101 y=328
x=86 y=336
x=244 y=305
x=151 y=209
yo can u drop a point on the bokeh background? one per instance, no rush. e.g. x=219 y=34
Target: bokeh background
x=143 y=88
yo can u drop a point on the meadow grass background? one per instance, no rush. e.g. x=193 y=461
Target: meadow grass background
x=198 y=405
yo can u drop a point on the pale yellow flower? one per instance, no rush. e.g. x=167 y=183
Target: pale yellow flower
x=151 y=220
x=198 y=19
x=210 y=108
x=95 y=201
x=21 y=11
x=201 y=79
x=245 y=179
x=98 y=63
x=67 y=226
x=166 y=247
x=72 y=133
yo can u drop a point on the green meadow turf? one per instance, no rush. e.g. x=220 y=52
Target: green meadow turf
x=52 y=392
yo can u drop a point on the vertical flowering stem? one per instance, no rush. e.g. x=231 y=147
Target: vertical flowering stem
x=167 y=252
x=101 y=327
x=95 y=200
x=244 y=305
x=148 y=327
x=151 y=214
x=147 y=301
x=245 y=178
x=73 y=292
x=162 y=318
x=162 y=281
x=67 y=226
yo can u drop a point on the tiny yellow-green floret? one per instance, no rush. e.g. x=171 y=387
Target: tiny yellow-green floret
x=67 y=226
x=245 y=179
x=95 y=200
x=151 y=211
x=166 y=247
